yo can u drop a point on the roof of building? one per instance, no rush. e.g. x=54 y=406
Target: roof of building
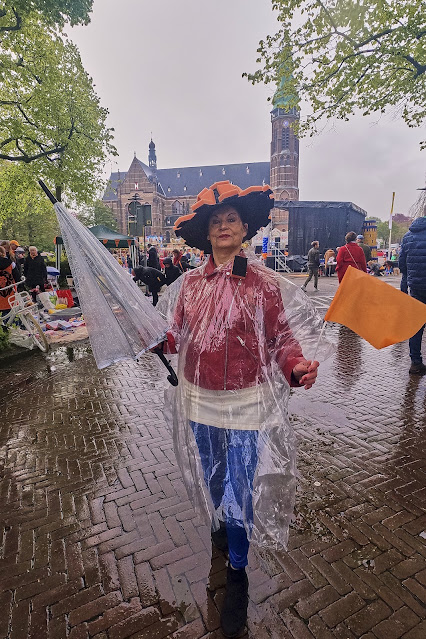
x=304 y=204
x=190 y=180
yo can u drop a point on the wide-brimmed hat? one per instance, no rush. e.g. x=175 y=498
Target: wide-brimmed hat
x=253 y=205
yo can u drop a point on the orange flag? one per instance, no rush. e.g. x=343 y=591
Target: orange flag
x=379 y=313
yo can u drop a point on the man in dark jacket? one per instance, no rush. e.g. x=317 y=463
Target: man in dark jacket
x=152 y=277
x=313 y=265
x=153 y=259
x=412 y=263
x=35 y=272
x=171 y=271
x=365 y=247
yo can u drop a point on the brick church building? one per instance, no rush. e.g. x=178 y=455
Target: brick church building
x=170 y=192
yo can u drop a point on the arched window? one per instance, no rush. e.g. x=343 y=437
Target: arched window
x=177 y=208
x=285 y=143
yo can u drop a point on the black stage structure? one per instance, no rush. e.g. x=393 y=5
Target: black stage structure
x=327 y=222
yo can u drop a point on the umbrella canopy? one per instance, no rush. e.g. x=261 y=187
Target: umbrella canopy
x=121 y=322
x=51 y=270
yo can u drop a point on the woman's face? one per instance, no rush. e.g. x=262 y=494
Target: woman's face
x=226 y=230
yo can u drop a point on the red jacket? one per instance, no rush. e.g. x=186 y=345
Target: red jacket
x=350 y=255
x=229 y=331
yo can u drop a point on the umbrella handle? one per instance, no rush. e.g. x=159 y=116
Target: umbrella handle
x=172 y=378
x=50 y=195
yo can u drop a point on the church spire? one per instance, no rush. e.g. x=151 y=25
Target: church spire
x=152 y=157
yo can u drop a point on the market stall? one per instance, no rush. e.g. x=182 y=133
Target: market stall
x=109 y=238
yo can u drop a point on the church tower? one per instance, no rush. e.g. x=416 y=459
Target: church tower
x=152 y=156
x=284 y=148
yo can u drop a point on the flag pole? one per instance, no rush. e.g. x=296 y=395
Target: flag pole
x=390 y=226
x=319 y=339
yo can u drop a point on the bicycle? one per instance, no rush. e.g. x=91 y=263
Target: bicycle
x=23 y=309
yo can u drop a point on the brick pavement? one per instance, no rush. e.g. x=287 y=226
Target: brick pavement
x=98 y=538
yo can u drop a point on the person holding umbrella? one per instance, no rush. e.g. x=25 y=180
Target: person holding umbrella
x=244 y=336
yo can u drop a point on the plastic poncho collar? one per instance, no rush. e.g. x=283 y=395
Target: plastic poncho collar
x=238 y=341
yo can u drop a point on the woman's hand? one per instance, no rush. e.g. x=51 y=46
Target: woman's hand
x=306 y=373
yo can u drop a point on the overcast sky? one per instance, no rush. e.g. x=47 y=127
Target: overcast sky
x=174 y=68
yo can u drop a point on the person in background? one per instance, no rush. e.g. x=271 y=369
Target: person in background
x=171 y=271
x=365 y=247
x=350 y=255
x=412 y=263
x=152 y=277
x=177 y=256
x=153 y=259
x=193 y=258
x=8 y=275
x=20 y=258
x=330 y=262
x=35 y=272
x=184 y=264
x=313 y=265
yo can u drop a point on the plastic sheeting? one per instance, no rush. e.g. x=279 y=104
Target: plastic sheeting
x=121 y=323
x=238 y=342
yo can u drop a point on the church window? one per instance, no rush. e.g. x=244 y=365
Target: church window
x=285 y=138
x=178 y=174
x=168 y=189
x=201 y=173
x=287 y=160
x=223 y=170
x=247 y=170
x=177 y=208
x=184 y=188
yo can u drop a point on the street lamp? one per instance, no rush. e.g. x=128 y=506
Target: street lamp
x=142 y=217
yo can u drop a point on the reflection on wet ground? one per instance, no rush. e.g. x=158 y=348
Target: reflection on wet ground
x=98 y=538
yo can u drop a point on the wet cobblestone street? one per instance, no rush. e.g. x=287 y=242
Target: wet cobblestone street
x=98 y=538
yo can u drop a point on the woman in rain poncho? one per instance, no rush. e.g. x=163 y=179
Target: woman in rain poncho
x=243 y=334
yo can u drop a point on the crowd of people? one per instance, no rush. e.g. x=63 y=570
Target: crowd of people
x=164 y=269
x=354 y=253
x=17 y=262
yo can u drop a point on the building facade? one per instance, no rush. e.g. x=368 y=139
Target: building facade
x=170 y=192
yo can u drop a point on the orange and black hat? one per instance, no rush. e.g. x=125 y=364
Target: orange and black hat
x=253 y=204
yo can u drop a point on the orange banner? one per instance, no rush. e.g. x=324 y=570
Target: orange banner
x=375 y=310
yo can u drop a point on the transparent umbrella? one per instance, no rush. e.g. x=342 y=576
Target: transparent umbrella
x=120 y=321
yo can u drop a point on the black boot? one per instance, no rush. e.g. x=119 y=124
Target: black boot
x=234 y=610
x=220 y=538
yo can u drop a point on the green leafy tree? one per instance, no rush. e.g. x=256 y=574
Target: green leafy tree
x=55 y=12
x=50 y=116
x=398 y=232
x=26 y=215
x=98 y=214
x=344 y=55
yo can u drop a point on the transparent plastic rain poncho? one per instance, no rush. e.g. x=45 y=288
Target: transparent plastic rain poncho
x=238 y=342
x=121 y=323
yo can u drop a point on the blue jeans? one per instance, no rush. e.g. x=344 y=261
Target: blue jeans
x=229 y=459
x=416 y=341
